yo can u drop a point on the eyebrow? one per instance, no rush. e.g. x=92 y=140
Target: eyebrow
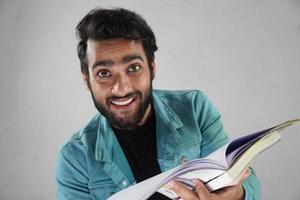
x=104 y=63
x=124 y=60
x=128 y=58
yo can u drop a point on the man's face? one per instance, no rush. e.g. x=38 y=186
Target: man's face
x=120 y=81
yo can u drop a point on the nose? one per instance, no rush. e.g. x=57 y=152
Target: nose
x=122 y=85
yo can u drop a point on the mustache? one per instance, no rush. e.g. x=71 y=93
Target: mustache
x=129 y=95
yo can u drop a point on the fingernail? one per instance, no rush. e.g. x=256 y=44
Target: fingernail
x=196 y=181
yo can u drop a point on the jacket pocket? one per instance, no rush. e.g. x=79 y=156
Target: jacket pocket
x=183 y=153
x=188 y=151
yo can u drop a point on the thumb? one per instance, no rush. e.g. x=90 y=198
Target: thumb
x=201 y=190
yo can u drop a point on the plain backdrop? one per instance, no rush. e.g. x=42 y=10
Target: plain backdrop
x=245 y=55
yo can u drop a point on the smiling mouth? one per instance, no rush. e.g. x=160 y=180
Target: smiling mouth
x=122 y=102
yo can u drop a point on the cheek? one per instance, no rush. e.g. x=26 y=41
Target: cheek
x=144 y=82
x=142 y=85
x=100 y=92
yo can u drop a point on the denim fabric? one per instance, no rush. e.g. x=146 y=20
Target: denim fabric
x=92 y=165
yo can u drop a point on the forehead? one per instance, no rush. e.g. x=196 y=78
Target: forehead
x=113 y=49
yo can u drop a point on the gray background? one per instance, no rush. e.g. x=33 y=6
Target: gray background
x=243 y=54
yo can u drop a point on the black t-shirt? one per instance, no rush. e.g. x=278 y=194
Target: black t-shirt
x=139 y=146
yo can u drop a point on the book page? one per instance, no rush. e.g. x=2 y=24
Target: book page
x=219 y=156
x=144 y=189
x=239 y=145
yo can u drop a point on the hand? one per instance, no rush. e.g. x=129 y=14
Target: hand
x=235 y=192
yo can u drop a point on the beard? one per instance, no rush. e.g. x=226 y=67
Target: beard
x=125 y=123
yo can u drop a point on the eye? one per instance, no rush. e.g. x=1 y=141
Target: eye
x=134 y=68
x=103 y=74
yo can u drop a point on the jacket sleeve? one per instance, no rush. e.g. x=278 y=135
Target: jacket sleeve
x=71 y=175
x=210 y=125
x=214 y=136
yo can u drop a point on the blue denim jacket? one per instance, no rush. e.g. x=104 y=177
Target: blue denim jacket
x=92 y=165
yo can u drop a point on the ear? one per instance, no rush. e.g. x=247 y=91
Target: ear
x=153 y=70
x=86 y=81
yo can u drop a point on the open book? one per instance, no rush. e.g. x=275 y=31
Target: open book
x=222 y=168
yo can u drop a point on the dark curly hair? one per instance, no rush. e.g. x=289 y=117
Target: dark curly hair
x=102 y=24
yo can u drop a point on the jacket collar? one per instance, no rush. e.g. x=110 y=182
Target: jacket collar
x=105 y=140
x=165 y=113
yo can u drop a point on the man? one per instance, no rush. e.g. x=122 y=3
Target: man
x=138 y=132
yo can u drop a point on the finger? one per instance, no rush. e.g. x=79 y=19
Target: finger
x=182 y=191
x=229 y=192
x=201 y=190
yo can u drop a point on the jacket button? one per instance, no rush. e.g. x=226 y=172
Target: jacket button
x=183 y=160
x=124 y=183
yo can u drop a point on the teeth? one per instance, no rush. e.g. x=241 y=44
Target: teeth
x=122 y=103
